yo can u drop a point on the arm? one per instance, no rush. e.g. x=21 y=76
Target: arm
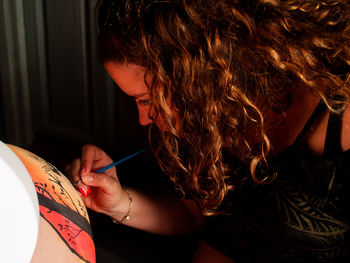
x=150 y=212
x=159 y=214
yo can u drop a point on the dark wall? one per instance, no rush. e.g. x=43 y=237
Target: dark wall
x=2 y=118
x=54 y=85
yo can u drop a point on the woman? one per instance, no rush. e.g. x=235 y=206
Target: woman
x=247 y=107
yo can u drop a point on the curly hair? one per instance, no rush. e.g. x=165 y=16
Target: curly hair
x=220 y=63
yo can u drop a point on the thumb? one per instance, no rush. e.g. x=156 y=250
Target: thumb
x=100 y=180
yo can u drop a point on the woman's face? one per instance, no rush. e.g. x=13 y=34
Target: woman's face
x=130 y=79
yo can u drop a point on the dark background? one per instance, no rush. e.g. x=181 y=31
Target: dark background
x=55 y=96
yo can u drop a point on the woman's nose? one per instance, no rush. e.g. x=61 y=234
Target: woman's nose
x=144 y=119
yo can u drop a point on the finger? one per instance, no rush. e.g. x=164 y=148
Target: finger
x=75 y=169
x=90 y=153
x=74 y=172
x=83 y=189
x=106 y=183
x=67 y=169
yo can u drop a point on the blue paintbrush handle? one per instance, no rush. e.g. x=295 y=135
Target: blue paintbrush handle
x=120 y=161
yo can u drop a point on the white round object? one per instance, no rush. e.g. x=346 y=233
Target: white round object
x=19 y=220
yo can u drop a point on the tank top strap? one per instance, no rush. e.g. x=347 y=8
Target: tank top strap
x=332 y=146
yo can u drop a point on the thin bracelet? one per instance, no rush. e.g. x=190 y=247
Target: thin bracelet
x=127 y=216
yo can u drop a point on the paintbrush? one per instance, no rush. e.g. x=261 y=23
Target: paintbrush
x=85 y=191
x=120 y=161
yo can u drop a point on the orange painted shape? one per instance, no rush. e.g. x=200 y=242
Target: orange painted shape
x=78 y=240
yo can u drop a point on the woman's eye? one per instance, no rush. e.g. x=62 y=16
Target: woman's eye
x=144 y=102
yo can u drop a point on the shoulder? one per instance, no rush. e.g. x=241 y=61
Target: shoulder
x=345 y=133
x=286 y=128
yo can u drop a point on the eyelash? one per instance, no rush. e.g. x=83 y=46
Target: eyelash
x=144 y=102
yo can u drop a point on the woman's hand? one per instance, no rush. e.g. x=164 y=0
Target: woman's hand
x=150 y=212
x=105 y=194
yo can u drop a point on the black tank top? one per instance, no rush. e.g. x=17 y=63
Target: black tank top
x=302 y=216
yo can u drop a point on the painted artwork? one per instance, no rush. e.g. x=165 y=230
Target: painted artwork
x=63 y=214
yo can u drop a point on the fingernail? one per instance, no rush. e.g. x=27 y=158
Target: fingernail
x=87 y=179
x=88 y=190
x=83 y=191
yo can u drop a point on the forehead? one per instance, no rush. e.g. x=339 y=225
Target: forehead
x=129 y=77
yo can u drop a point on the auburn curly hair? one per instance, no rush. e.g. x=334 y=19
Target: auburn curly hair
x=218 y=62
